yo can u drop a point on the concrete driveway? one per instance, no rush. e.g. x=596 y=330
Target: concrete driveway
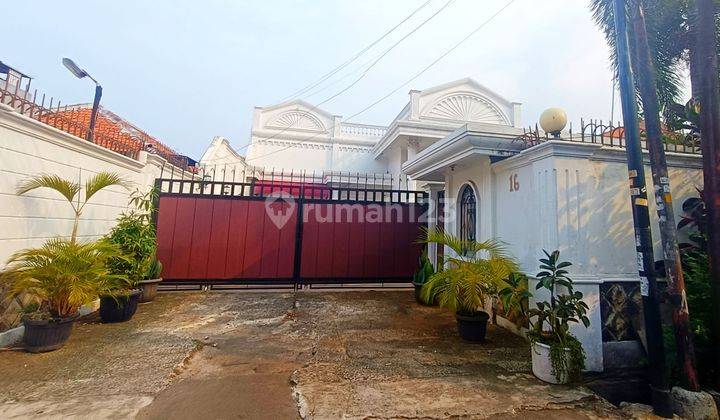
x=283 y=356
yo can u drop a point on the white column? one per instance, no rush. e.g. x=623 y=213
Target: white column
x=450 y=200
x=413 y=147
x=432 y=191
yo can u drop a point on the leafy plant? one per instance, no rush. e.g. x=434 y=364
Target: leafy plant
x=61 y=275
x=134 y=234
x=135 y=238
x=696 y=271
x=426 y=269
x=514 y=298
x=154 y=269
x=472 y=277
x=550 y=321
x=694 y=216
x=144 y=203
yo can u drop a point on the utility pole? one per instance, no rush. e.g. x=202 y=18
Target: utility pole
x=707 y=89
x=663 y=198
x=641 y=219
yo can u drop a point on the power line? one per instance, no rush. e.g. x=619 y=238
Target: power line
x=445 y=6
x=375 y=61
x=426 y=68
x=355 y=57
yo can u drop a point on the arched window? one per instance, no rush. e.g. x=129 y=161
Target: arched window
x=467 y=215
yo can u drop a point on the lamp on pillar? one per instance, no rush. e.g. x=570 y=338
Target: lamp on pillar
x=80 y=73
x=553 y=121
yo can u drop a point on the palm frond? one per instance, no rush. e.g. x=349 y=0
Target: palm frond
x=668 y=39
x=67 y=189
x=104 y=180
x=477 y=272
x=60 y=275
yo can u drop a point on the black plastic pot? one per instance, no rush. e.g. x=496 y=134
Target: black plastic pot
x=418 y=298
x=119 y=308
x=418 y=289
x=472 y=327
x=46 y=334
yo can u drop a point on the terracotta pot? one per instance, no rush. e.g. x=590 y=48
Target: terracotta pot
x=43 y=335
x=472 y=327
x=119 y=308
x=149 y=289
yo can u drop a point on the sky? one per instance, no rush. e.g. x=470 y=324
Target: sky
x=186 y=71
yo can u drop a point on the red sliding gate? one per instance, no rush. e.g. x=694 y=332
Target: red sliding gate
x=272 y=233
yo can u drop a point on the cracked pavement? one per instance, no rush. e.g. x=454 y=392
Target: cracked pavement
x=280 y=355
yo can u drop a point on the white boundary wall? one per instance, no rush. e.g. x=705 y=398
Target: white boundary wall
x=27 y=148
x=574 y=197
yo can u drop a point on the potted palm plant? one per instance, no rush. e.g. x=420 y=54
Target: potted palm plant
x=59 y=277
x=471 y=277
x=62 y=275
x=557 y=355
x=421 y=276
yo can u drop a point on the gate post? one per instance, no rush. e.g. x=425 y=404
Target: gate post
x=298 y=238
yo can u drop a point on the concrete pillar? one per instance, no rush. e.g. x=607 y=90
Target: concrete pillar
x=432 y=190
x=450 y=200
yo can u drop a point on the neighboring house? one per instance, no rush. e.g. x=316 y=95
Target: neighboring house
x=463 y=144
x=298 y=136
x=36 y=138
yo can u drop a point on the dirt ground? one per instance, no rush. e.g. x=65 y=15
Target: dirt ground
x=321 y=355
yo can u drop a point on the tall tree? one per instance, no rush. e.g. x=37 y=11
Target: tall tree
x=684 y=34
x=647 y=88
x=666 y=22
x=705 y=85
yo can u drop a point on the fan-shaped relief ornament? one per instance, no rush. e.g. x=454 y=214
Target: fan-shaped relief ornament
x=467 y=107
x=297 y=120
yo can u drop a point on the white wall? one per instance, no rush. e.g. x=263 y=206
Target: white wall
x=569 y=196
x=312 y=156
x=576 y=198
x=29 y=148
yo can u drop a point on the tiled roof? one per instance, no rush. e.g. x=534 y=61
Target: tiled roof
x=109 y=126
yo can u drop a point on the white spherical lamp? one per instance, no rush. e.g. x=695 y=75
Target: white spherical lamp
x=553 y=120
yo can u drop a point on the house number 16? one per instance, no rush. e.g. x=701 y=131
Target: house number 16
x=514 y=184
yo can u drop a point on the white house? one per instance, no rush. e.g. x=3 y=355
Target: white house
x=463 y=143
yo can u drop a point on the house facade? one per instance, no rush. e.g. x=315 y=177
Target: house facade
x=463 y=144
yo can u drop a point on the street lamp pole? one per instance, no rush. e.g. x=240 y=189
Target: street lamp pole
x=93 y=113
x=80 y=73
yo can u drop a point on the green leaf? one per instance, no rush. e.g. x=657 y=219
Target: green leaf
x=67 y=189
x=103 y=180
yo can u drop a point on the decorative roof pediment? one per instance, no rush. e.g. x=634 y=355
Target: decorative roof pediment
x=295 y=115
x=464 y=100
x=466 y=107
x=300 y=120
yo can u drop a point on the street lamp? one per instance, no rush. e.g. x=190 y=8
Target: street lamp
x=553 y=121
x=80 y=73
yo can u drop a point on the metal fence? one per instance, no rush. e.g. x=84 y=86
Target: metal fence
x=229 y=181
x=612 y=135
x=75 y=120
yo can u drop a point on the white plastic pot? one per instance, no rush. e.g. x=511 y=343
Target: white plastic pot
x=542 y=365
